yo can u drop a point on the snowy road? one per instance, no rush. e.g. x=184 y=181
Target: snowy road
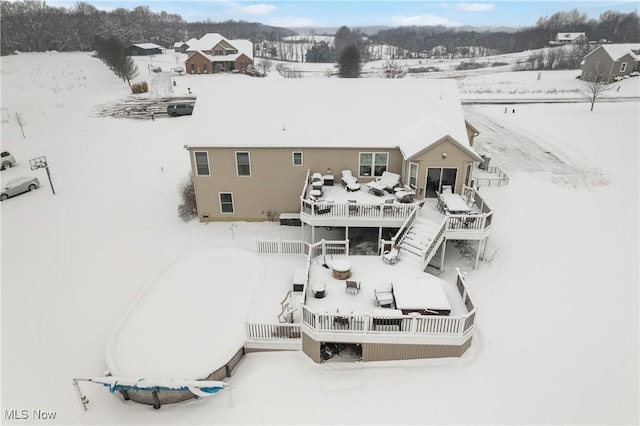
x=515 y=149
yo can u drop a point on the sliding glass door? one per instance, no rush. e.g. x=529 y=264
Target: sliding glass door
x=438 y=176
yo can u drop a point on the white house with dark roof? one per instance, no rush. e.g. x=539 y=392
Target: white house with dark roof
x=569 y=38
x=214 y=53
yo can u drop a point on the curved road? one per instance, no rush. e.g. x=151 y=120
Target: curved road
x=515 y=149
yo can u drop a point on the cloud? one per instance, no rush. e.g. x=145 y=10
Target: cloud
x=258 y=9
x=475 y=7
x=428 y=20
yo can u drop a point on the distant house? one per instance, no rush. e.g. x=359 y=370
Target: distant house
x=569 y=38
x=143 y=49
x=180 y=46
x=609 y=61
x=214 y=53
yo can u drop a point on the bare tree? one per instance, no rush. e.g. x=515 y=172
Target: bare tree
x=20 y=121
x=264 y=66
x=592 y=90
x=393 y=69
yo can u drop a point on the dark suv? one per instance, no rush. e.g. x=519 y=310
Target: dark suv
x=175 y=110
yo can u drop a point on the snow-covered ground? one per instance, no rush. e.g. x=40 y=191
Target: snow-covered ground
x=557 y=327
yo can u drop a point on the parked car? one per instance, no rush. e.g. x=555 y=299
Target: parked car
x=7 y=160
x=18 y=186
x=175 y=110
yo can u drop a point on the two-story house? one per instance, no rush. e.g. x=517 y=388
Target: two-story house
x=213 y=53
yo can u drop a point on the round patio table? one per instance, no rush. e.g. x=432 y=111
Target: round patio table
x=341 y=269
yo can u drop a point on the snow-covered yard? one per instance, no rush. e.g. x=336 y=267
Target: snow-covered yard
x=557 y=331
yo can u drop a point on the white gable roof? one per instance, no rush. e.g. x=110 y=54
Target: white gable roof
x=617 y=51
x=207 y=42
x=568 y=36
x=243 y=46
x=148 y=46
x=409 y=114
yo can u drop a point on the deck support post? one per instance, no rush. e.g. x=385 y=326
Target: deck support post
x=444 y=248
x=477 y=254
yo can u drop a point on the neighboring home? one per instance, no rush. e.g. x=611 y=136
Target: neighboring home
x=608 y=61
x=180 y=46
x=285 y=149
x=143 y=49
x=214 y=53
x=569 y=38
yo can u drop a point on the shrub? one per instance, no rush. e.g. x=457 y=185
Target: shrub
x=470 y=66
x=188 y=209
x=141 y=87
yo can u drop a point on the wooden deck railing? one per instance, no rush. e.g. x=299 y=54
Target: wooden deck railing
x=479 y=220
x=458 y=325
x=272 y=331
x=280 y=247
x=321 y=209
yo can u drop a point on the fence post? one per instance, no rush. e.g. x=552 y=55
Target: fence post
x=324 y=247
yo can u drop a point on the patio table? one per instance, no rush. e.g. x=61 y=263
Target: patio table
x=455 y=203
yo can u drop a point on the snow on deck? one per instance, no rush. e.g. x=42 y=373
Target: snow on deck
x=372 y=273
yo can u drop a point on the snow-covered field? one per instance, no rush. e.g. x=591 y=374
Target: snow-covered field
x=557 y=329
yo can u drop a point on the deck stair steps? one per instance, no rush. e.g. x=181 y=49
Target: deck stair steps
x=417 y=240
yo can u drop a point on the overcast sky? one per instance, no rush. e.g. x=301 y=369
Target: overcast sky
x=360 y=13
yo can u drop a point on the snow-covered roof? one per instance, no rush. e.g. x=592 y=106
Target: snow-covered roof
x=568 y=36
x=179 y=44
x=148 y=46
x=206 y=42
x=617 y=51
x=243 y=46
x=220 y=58
x=210 y=40
x=409 y=114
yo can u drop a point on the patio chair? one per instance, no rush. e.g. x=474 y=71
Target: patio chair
x=391 y=256
x=349 y=181
x=352 y=287
x=384 y=298
x=388 y=181
x=405 y=194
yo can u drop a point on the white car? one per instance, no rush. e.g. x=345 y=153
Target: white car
x=6 y=160
x=18 y=186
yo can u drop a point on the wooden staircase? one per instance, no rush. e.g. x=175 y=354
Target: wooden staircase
x=421 y=241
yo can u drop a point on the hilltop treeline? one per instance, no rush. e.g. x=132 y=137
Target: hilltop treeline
x=613 y=26
x=32 y=25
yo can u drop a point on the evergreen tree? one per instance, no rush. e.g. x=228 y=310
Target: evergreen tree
x=349 y=65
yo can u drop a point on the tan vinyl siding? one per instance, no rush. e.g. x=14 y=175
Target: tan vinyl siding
x=391 y=352
x=598 y=62
x=275 y=184
x=311 y=348
x=432 y=157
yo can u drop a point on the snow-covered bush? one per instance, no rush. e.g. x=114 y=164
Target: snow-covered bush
x=141 y=87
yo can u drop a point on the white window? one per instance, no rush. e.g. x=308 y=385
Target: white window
x=226 y=202
x=202 y=163
x=297 y=158
x=373 y=163
x=243 y=164
x=623 y=67
x=413 y=175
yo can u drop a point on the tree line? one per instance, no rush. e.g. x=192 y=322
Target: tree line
x=34 y=26
x=613 y=26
